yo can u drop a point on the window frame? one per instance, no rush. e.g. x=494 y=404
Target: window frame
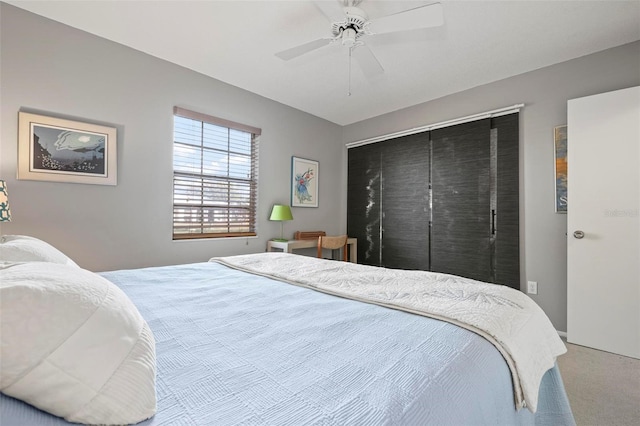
x=250 y=201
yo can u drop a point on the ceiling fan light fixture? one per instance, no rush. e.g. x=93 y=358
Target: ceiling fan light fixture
x=349 y=37
x=355 y=19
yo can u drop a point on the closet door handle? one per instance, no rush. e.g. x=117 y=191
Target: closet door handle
x=493 y=222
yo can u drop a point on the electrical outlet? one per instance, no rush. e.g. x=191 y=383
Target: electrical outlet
x=532 y=287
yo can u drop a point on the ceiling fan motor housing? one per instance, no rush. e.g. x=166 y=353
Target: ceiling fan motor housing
x=352 y=28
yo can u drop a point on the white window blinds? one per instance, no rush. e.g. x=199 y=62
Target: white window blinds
x=215 y=177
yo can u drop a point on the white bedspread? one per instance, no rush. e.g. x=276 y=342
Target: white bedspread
x=509 y=319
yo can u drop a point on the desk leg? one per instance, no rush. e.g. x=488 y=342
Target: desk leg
x=270 y=247
x=353 y=252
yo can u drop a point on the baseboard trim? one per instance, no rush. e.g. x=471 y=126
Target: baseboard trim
x=562 y=333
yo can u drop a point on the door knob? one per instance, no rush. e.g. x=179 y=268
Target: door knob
x=578 y=234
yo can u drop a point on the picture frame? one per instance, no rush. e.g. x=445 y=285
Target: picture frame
x=560 y=168
x=60 y=150
x=305 y=175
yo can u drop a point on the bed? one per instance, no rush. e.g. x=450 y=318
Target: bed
x=241 y=347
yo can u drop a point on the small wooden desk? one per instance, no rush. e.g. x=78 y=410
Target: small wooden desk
x=291 y=245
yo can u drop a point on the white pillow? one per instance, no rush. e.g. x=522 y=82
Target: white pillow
x=73 y=344
x=21 y=248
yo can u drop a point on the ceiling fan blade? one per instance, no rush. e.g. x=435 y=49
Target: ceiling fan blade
x=421 y=17
x=296 y=51
x=368 y=62
x=378 y=9
x=331 y=9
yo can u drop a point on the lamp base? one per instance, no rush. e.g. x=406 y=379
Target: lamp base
x=281 y=240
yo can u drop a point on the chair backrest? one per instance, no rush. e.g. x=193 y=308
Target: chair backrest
x=333 y=243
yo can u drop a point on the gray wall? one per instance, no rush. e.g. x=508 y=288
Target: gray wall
x=545 y=93
x=50 y=68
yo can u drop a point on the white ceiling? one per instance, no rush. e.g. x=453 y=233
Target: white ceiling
x=235 y=42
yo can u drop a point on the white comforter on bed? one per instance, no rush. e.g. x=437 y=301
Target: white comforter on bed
x=509 y=319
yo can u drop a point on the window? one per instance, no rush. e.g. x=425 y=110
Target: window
x=215 y=177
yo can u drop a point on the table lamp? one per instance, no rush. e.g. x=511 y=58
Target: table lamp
x=5 y=213
x=281 y=213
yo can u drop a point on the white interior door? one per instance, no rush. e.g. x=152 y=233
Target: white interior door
x=604 y=203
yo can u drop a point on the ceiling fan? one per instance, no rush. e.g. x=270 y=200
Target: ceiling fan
x=351 y=26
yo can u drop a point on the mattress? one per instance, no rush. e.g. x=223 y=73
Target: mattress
x=236 y=349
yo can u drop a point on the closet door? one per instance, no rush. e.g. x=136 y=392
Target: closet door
x=364 y=208
x=469 y=226
x=505 y=238
x=405 y=202
x=461 y=213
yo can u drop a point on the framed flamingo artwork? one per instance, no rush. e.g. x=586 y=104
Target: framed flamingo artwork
x=304 y=182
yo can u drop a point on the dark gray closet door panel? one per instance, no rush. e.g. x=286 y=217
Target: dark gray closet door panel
x=507 y=246
x=461 y=214
x=470 y=227
x=363 y=201
x=405 y=202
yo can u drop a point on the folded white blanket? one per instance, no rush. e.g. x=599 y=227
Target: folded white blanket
x=73 y=344
x=509 y=319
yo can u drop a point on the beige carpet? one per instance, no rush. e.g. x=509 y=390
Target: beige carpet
x=603 y=388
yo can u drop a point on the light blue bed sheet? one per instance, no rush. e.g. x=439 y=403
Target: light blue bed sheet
x=238 y=349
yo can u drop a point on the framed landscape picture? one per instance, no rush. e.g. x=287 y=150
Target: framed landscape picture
x=304 y=182
x=59 y=150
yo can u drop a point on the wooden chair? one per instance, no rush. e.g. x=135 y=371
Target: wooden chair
x=333 y=243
